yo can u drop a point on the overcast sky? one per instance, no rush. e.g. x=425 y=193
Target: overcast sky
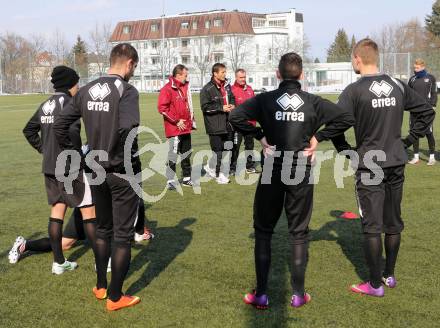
x=322 y=18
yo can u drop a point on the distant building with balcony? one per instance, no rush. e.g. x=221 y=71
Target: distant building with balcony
x=198 y=40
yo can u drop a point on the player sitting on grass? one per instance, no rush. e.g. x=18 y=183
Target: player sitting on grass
x=73 y=232
x=65 y=82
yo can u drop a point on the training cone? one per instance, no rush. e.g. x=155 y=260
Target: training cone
x=349 y=216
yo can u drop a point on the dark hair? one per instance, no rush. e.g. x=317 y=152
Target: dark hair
x=240 y=70
x=290 y=66
x=217 y=67
x=367 y=50
x=179 y=69
x=123 y=51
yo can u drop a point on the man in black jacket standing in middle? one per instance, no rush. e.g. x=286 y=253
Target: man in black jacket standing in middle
x=217 y=101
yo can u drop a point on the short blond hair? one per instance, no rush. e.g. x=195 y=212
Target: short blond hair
x=419 y=61
x=367 y=50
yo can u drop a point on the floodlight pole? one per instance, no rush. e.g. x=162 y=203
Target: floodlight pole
x=1 y=72
x=163 y=43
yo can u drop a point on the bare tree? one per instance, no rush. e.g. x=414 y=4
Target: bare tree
x=166 y=54
x=202 y=51
x=16 y=52
x=59 y=47
x=236 y=50
x=100 y=46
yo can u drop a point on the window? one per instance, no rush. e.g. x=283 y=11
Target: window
x=126 y=29
x=155 y=60
x=155 y=44
x=145 y=45
x=273 y=81
x=207 y=24
x=194 y=25
x=185 y=25
x=185 y=43
x=277 y=23
x=175 y=60
x=218 y=40
x=174 y=43
x=265 y=81
x=251 y=80
x=154 y=28
x=218 y=58
x=218 y=23
x=185 y=60
x=270 y=55
x=258 y=22
x=146 y=61
x=257 y=53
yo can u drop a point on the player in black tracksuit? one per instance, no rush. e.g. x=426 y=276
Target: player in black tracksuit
x=65 y=81
x=425 y=85
x=109 y=107
x=378 y=102
x=290 y=120
x=216 y=102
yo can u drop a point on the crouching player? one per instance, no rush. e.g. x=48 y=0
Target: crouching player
x=290 y=119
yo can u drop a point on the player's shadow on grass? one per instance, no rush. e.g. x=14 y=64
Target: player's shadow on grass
x=160 y=252
x=348 y=235
x=279 y=289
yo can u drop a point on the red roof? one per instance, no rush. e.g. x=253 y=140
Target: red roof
x=233 y=22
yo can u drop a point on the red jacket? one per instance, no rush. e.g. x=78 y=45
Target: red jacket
x=241 y=94
x=175 y=104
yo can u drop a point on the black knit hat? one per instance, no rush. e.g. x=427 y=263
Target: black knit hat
x=64 y=77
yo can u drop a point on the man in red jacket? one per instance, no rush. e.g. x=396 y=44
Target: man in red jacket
x=242 y=92
x=175 y=104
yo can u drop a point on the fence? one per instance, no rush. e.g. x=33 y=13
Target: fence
x=318 y=78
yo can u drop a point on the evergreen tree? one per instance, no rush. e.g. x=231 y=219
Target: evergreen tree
x=433 y=21
x=80 y=60
x=339 y=50
x=353 y=43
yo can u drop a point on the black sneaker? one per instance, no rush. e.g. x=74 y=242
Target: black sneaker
x=187 y=183
x=171 y=186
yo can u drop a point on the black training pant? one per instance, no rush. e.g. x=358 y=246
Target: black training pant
x=179 y=145
x=248 y=147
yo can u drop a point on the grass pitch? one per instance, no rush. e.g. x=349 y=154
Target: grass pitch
x=196 y=271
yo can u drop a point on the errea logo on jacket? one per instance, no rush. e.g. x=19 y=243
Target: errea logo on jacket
x=382 y=89
x=48 y=108
x=99 y=92
x=290 y=104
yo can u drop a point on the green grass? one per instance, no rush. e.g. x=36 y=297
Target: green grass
x=201 y=263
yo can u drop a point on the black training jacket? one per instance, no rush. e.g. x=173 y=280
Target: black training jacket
x=378 y=103
x=109 y=107
x=211 y=103
x=426 y=87
x=290 y=117
x=39 y=131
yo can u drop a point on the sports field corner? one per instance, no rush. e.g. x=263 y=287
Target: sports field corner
x=195 y=272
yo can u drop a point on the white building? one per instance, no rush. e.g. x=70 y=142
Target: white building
x=198 y=40
x=328 y=77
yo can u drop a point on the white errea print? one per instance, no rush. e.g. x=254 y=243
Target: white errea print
x=99 y=91
x=381 y=89
x=49 y=107
x=287 y=101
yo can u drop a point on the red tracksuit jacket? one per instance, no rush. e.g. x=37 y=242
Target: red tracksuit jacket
x=175 y=104
x=241 y=94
